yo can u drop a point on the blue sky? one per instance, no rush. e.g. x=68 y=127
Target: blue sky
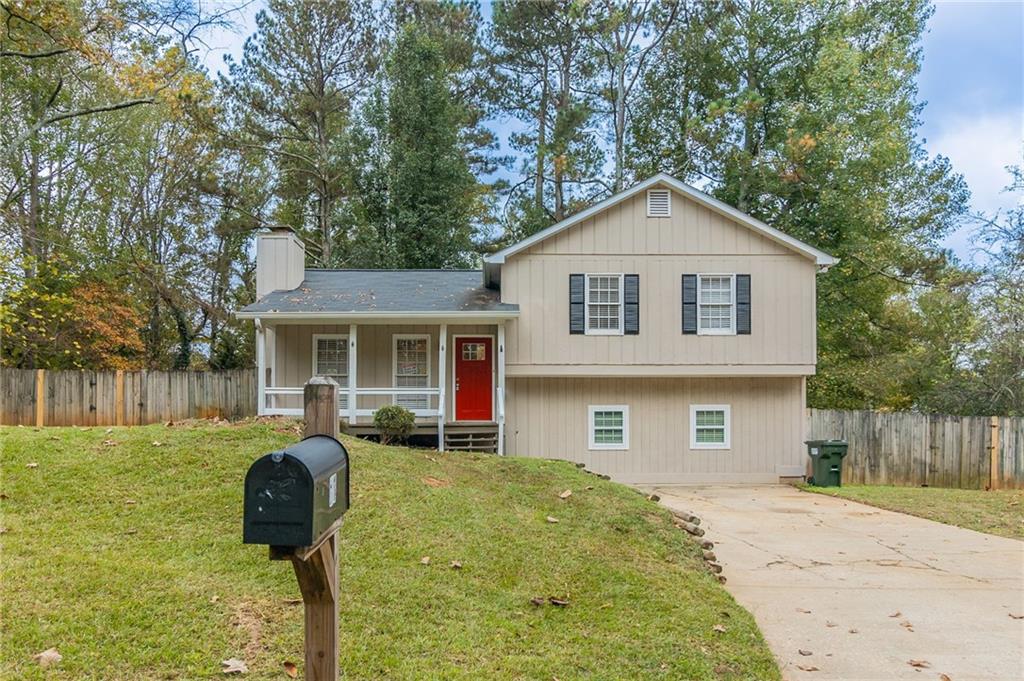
x=972 y=80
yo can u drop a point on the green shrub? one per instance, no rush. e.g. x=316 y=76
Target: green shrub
x=394 y=423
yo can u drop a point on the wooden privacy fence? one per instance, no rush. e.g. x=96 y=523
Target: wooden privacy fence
x=905 y=448
x=36 y=397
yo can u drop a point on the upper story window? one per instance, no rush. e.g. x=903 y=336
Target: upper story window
x=604 y=304
x=659 y=203
x=716 y=304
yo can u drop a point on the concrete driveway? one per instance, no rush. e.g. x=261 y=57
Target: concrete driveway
x=857 y=592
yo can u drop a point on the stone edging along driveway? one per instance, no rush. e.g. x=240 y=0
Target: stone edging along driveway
x=847 y=591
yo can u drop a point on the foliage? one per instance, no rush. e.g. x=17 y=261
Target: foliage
x=637 y=586
x=394 y=422
x=805 y=116
x=56 y=320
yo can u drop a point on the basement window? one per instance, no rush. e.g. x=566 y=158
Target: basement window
x=609 y=426
x=709 y=426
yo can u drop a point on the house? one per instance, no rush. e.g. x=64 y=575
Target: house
x=660 y=336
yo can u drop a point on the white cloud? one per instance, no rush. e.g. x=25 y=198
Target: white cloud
x=980 y=148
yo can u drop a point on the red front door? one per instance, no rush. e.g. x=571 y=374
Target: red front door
x=473 y=389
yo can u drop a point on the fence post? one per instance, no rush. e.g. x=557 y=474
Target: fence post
x=119 y=398
x=993 y=458
x=40 y=397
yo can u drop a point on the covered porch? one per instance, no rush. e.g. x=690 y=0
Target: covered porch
x=449 y=371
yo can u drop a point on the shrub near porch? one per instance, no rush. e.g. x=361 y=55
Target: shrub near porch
x=123 y=550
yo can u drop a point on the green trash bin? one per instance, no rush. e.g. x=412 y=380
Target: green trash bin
x=826 y=462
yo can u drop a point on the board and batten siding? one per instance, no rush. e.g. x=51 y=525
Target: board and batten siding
x=694 y=239
x=293 y=356
x=548 y=418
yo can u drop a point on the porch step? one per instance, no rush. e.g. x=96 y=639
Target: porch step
x=472 y=439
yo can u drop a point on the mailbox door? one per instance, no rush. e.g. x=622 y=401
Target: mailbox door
x=278 y=504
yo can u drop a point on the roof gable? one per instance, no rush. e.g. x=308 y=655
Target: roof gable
x=781 y=238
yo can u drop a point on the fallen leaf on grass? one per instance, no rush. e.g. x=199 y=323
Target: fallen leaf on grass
x=214 y=599
x=291 y=670
x=234 y=666
x=805 y=653
x=719 y=628
x=431 y=481
x=32 y=465
x=589 y=487
x=109 y=443
x=425 y=560
x=3 y=530
x=157 y=443
x=130 y=502
x=292 y=601
x=552 y=519
x=808 y=668
x=562 y=602
x=48 y=657
x=456 y=564
x=109 y=430
x=537 y=600
x=566 y=494
x=919 y=664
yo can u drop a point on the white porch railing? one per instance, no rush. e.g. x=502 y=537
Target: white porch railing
x=272 y=409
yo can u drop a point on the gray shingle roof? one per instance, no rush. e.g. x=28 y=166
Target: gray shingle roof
x=383 y=291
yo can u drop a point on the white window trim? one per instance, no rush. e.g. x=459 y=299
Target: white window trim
x=648 y=198
x=694 y=408
x=718 y=332
x=342 y=390
x=586 y=305
x=592 y=409
x=329 y=336
x=394 y=361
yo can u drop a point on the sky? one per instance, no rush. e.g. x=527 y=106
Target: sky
x=971 y=81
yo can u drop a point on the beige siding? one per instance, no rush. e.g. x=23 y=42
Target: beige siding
x=694 y=240
x=548 y=417
x=293 y=356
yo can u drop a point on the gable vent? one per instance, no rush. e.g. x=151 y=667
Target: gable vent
x=659 y=203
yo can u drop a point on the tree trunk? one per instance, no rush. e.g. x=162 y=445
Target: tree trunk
x=542 y=137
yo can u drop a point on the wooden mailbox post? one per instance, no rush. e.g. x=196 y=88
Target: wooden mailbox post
x=316 y=566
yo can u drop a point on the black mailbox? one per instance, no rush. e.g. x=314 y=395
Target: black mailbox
x=292 y=497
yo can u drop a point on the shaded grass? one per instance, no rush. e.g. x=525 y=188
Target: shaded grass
x=999 y=512
x=128 y=559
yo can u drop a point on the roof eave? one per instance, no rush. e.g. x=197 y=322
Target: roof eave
x=378 y=315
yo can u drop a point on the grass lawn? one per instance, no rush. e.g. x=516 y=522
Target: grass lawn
x=999 y=512
x=126 y=556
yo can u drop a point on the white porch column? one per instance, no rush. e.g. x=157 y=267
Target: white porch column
x=442 y=380
x=261 y=370
x=501 y=388
x=272 y=363
x=352 y=365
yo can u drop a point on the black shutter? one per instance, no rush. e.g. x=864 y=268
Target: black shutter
x=631 y=297
x=576 y=306
x=743 y=303
x=689 y=303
